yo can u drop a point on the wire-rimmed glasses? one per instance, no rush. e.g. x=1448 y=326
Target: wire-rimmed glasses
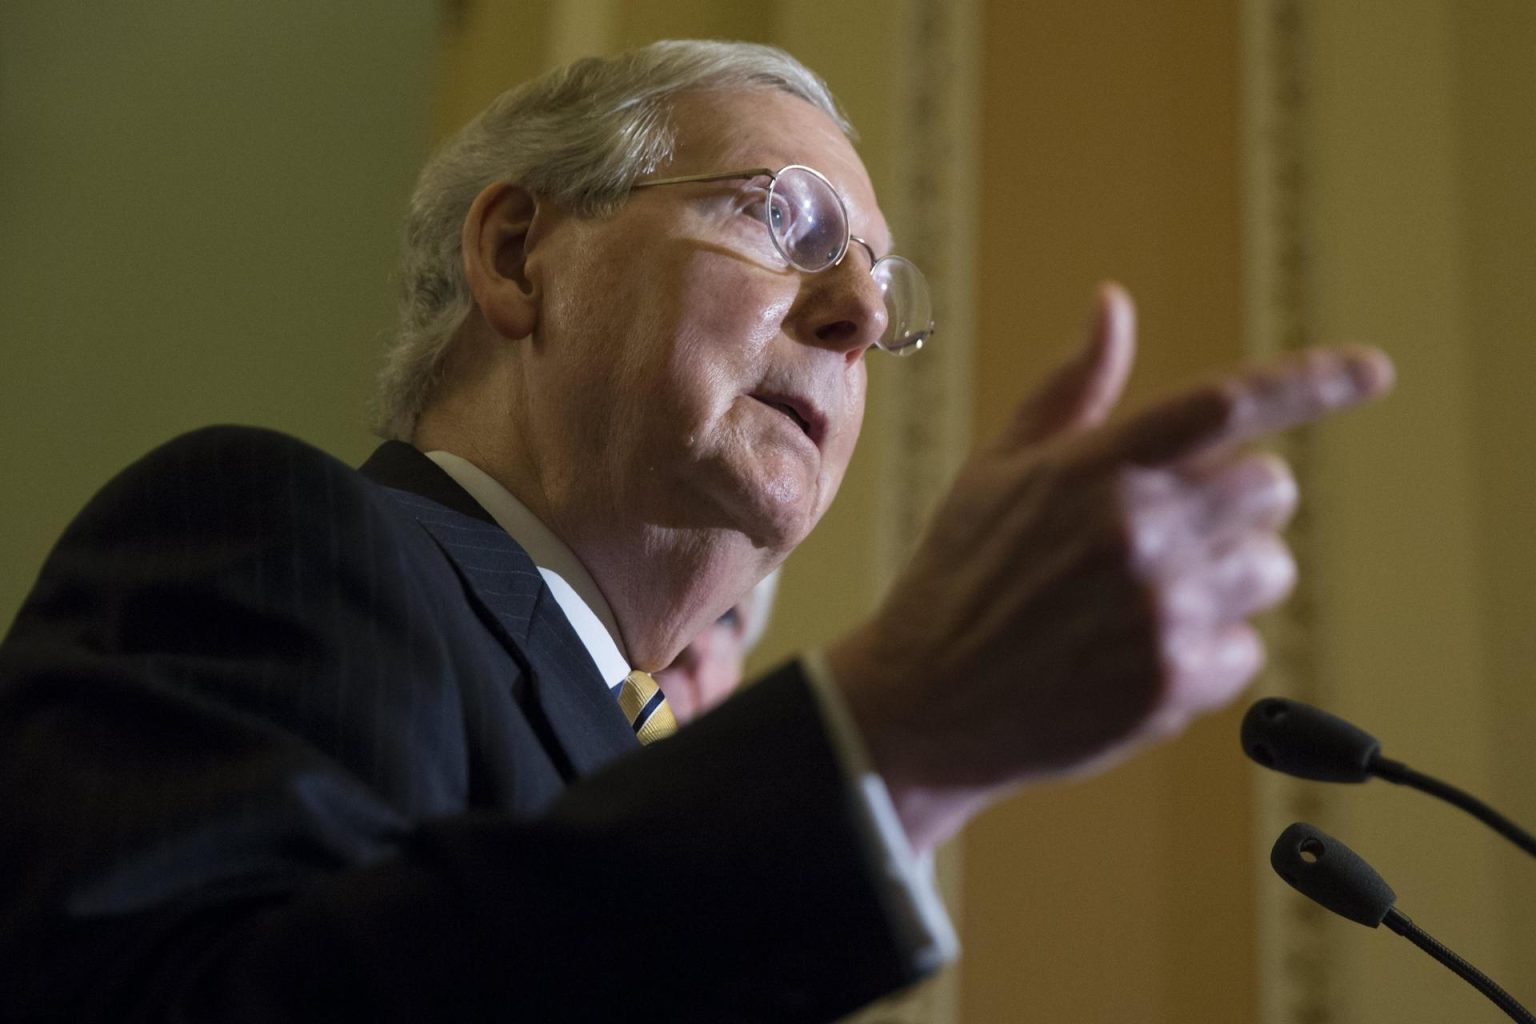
x=808 y=222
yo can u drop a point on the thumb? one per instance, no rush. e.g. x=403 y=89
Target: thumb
x=1081 y=392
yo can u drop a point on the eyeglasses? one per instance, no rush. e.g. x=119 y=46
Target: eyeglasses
x=808 y=222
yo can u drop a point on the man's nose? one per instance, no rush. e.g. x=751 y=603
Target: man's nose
x=843 y=308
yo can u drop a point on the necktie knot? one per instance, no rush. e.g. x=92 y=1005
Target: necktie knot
x=645 y=706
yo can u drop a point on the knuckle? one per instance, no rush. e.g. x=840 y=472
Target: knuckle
x=1280 y=569
x=1247 y=655
x=1272 y=471
x=1149 y=540
x=1208 y=669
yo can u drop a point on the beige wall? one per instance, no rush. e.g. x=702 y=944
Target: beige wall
x=1495 y=92
x=1422 y=154
x=1110 y=150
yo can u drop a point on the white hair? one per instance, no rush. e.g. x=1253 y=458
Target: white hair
x=580 y=136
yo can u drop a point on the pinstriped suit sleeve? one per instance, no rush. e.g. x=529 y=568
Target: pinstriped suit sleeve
x=243 y=719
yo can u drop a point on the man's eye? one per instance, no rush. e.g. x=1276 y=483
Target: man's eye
x=760 y=221
x=755 y=204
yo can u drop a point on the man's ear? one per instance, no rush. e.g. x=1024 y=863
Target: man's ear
x=498 y=232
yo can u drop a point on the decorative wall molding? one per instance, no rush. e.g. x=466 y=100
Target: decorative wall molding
x=927 y=404
x=934 y=208
x=1296 y=952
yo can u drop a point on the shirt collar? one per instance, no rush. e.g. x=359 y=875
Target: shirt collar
x=572 y=586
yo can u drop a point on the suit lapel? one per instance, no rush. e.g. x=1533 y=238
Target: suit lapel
x=563 y=684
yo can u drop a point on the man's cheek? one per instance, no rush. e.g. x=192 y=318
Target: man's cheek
x=745 y=307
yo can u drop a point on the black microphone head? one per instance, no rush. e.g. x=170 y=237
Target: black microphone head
x=1301 y=740
x=1325 y=870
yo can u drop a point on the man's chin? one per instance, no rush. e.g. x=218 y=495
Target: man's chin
x=773 y=502
x=777 y=514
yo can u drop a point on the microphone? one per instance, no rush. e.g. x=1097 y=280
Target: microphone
x=1331 y=874
x=1309 y=743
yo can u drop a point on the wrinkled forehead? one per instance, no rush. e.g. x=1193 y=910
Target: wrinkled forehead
x=730 y=130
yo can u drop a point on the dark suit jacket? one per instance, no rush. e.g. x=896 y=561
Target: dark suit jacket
x=283 y=742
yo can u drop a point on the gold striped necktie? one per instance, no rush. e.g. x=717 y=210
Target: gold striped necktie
x=645 y=706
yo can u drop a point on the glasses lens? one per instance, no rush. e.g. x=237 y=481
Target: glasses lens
x=908 y=308
x=807 y=219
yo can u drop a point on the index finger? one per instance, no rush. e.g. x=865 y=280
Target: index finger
x=1298 y=388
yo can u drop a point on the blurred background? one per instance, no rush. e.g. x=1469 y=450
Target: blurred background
x=199 y=207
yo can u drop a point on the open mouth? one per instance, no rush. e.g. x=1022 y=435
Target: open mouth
x=807 y=425
x=789 y=410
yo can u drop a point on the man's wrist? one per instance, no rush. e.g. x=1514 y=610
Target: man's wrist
x=930 y=807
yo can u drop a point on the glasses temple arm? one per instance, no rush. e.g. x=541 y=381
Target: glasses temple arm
x=752 y=172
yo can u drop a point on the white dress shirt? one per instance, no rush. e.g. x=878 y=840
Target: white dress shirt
x=911 y=897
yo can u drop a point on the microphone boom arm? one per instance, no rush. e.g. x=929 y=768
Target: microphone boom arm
x=1402 y=924
x=1402 y=775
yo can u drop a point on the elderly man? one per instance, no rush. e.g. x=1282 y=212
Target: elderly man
x=280 y=741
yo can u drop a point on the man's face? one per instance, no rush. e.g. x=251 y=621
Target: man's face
x=680 y=371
